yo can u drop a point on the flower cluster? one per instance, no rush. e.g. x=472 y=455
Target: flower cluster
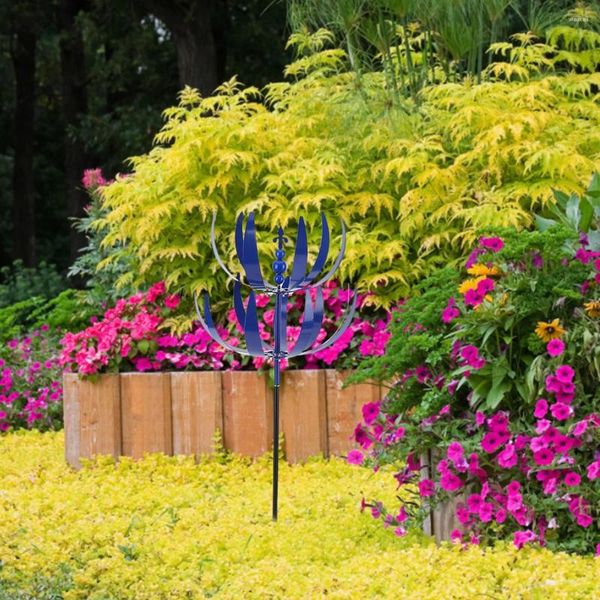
x=30 y=382
x=132 y=336
x=505 y=421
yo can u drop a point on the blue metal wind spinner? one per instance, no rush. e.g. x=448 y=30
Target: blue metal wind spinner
x=298 y=281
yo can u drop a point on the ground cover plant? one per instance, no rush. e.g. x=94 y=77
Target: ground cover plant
x=416 y=183
x=166 y=528
x=495 y=372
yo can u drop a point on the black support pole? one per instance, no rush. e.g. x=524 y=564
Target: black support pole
x=275 y=449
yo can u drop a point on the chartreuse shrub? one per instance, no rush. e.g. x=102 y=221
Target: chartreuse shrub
x=494 y=375
x=415 y=184
x=166 y=528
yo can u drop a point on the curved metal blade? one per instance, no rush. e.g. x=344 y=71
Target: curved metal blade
x=322 y=255
x=340 y=331
x=311 y=324
x=298 y=274
x=249 y=257
x=210 y=328
x=213 y=243
x=238 y=303
x=255 y=345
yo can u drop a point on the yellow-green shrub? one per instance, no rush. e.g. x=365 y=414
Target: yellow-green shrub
x=415 y=186
x=165 y=528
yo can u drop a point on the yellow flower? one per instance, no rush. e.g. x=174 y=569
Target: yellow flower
x=592 y=308
x=469 y=284
x=481 y=270
x=549 y=331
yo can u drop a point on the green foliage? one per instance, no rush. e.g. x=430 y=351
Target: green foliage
x=415 y=187
x=100 y=284
x=18 y=282
x=575 y=213
x=66 y=312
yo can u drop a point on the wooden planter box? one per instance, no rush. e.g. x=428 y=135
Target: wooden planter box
x=131 y=414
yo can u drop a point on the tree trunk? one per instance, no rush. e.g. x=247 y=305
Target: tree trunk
x=198 y=28
x=23 y=191
x=74 y=102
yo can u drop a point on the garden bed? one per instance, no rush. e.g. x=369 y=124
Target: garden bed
x=167 y=528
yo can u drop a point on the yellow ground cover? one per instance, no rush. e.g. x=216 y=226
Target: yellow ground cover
x=165 y=528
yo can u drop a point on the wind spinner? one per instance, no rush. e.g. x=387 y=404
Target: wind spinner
x=299 y=281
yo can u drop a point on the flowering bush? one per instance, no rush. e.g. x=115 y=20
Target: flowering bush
x=165 y=527
x=30 y=382
x=495 y=395
x=133 y=336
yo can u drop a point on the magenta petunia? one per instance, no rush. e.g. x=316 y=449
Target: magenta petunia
x=450 y=482
x=541 y=408
x=555 y=347
x=455 y=452
x=572 y=479
x=370 y=412
x=543 y=457
x=565 y=374
x=593 y=470
x=426 y=488
x=495 y=244
x=355 y=457
x=560 y=411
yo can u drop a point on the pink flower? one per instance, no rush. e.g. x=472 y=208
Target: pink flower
x=450 y=482
x=565 y=374
x=555 y=347
x=400 y=531
x=370 y=411
x=456 y=536
x=500 y=516
x=142 y=364
x=495 y=244
x=450 y=312
x=426 y=488
x=172 y=301
x=541 y=408
x=524 y=537
x=580 y=428
x=543 y=457
x=593 y=470
x=93 y=178
x=355 y=457
x=492 y=441
x=560 y=411
x=572 y=479
x=508 y=457
x=455 y=452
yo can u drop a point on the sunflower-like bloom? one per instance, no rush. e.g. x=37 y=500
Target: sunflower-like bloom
x=469 y=284
x=549 y=331
x=592 y=308
x=481 y=270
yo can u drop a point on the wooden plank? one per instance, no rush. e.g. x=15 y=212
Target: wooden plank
x=247 y=412
x=146 y=413
x=196 y=399
x=303 y=414
x=100 y=408
x=71 y=418
x=344 y=409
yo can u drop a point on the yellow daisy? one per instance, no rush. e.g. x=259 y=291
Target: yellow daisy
x=469 y=284
x=481 y=270
x=549 y=331
x=592 y=308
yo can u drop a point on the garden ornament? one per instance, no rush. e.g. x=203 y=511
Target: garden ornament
x=299 y=281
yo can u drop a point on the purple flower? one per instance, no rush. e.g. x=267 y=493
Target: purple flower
x=355 y=457
x=555 y=347
x=495 y=244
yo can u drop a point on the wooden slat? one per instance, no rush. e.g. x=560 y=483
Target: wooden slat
x=303 y=414
x=71 y=418
x=196 y=399
x=344 y=409
x=247 y=412
x=92 y=417
x=146 y=413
